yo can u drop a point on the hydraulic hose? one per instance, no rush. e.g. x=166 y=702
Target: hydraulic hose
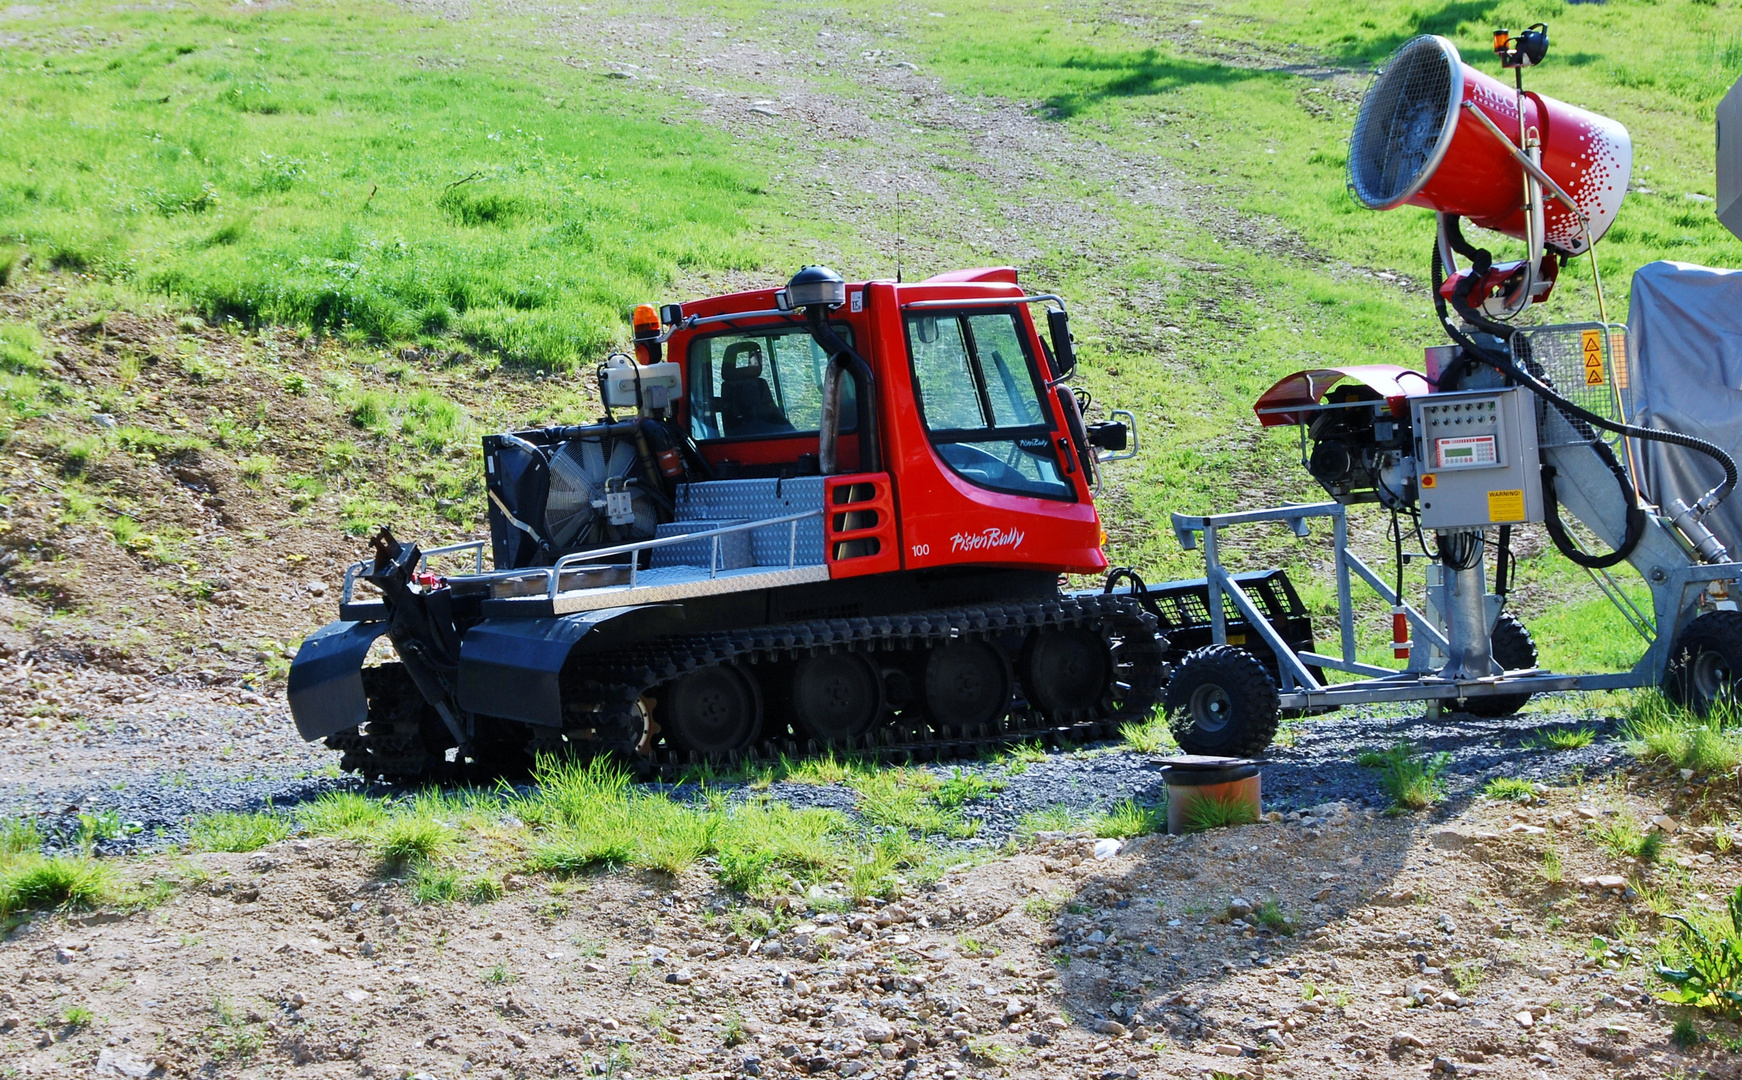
x=1635 y=526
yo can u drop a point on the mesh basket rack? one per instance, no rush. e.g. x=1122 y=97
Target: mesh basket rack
x=1587 y=364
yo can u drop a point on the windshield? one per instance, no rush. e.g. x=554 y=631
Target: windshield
x=980 y=399
x=766 y=382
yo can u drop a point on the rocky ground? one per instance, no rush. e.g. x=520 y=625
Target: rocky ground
x=1480 y=938
x=1336 y=942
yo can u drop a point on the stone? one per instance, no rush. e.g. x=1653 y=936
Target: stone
x=1611 y=882
x=1226 y=1050
x=877 y=1033
x=1521 y=829
x=1109 y=1027
x=1589 y=813
x=1239 y=907
x=1445 y=1066
x=1056 y=1023
x=356 y=996
x=1666 y=823
x=1449 y=999
x=1449 y=839
x=114 y=1063
x=10 y=1022
x=681 y=977
x=1108 y=849
x=1405 y=1040
x=1524 y=1019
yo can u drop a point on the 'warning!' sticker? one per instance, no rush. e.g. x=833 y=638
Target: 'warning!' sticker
x=1591 y=343
x=1506 y=505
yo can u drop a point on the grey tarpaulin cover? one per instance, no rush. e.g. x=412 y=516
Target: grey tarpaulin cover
x=1685 y=369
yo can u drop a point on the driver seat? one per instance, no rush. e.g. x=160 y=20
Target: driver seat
x=746 y=403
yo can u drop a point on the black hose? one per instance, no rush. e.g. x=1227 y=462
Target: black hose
x=1675 y=438
x=1579 y=418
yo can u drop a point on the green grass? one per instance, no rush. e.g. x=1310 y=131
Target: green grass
x=1511 y=788
x=1151 y=736
x=408 y=838
x=1128 y=818
x=1624 y=837
x=431 y=884
x=1218 y=813
x=1657 y=729
x=77 y=1017
x=341 y=813
x=912 y=799
x=1270 y=915
x=33 y=882
x=1412 y=782
x=1562 y=739
x=238 y=831
x=309 y=166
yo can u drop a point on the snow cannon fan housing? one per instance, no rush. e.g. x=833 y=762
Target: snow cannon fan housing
x=1417 y=142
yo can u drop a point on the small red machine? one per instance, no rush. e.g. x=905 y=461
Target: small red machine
x=828 y=514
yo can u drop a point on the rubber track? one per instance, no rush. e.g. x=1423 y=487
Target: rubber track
x=618 y=680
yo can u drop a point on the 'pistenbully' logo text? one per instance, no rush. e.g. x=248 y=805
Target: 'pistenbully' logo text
x=986 y=539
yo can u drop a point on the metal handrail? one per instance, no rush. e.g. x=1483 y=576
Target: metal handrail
x=791 y=520
x=474 y=546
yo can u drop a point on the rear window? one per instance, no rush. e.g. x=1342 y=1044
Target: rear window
x=761 y=384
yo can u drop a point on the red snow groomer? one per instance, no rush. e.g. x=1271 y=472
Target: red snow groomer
x=824 y=515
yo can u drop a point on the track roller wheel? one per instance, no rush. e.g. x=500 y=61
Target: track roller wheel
x=836 y=697
x=1706 y=661
x=966 y=683
x=1513 y=650
x=1222 y=702
x=1067 y=672
x=715 y=710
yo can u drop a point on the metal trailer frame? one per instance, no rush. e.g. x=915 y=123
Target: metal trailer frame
x=1676 y=594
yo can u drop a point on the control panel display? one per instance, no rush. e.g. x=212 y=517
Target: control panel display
x=1465 y=452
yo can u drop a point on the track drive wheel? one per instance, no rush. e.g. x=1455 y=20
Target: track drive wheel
x=1222 y=702
x=714 y=710
x=1513 y=650
x=1067 y=673
x=1706 y=661
x=836 y=697
x=966 y=683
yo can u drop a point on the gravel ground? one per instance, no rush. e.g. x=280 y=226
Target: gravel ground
x=155 y=767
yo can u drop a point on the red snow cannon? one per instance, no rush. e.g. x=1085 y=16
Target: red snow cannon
x=1435 y=132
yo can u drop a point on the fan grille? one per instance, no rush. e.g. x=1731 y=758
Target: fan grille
x=1403 y=118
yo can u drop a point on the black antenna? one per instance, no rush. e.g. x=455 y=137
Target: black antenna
x=898 y=237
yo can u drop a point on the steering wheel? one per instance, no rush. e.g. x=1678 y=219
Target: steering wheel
x=976 y=464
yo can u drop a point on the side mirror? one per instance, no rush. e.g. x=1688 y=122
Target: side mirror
x=925 y=328
x=1058 y=325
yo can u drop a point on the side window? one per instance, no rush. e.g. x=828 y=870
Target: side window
x=940 y=366
x=1009 y=385
x=761 y=384
x=980 y=396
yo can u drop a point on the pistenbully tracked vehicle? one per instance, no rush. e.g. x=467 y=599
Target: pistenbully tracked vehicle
x=836 y=516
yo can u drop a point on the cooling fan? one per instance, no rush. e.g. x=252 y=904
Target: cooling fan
x=591 y=501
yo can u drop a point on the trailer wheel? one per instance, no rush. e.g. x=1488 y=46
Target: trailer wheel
x=1222 y=702
x=1067 y=672
x=966 y=683
x=715 y=710
x=836 y=697
x=1513 y=650
x=1706 y=661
